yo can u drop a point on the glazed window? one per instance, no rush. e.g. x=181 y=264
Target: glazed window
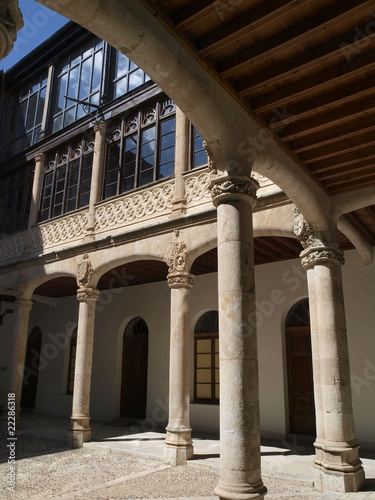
x=79 y=76
x=127 y=75
x=67 y=180
x=15 y=199
x=26 y=116
x=72 y=361
x=206 y=359
x=141 y=150
x=198 y=153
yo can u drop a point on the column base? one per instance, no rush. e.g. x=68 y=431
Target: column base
x=79 y=431
x=337 y=467
x=240 y=491
x=178 y=446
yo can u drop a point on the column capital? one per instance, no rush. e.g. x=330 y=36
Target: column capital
x=86 y=294
x=100 y=126
x=316 y=250
x=40 y=157
x=176 y=258
x=226 y=187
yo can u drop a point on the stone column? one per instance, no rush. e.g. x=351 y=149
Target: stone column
x=37 y=184
x=97 y=172
x=80 y=431
x=178 y=446
x=240 y=471
x=17 y=364
x=181 y=163
x=337 y=463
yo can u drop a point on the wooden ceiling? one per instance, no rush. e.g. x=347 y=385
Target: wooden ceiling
x=305 y=68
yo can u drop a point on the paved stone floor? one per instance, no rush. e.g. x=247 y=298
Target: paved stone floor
x=123 y=463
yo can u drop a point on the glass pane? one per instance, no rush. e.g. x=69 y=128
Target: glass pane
x=97 y=75
x=204 y=391
x=203 y=346
x=166 y=170
x=208 y=322
x=128 y=184
x=73 y=83
x=69 y=116
x=136 y=79
x=204 y=375
x=31 y=111
x=57 y=123
x=148 y=135
x=217 y=375
x=121 y=87
x=200 y=158
x=122 y=63
x=61 y=92
x=217 y=345
x=133 y=66
x=21 y=119
x=217 y=391
x=146 y=177
x=167 y=155
x=203 y=360
x=42 y=98
x=84 y=88
x=168 y=126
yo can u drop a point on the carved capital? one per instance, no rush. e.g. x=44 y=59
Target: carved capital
x=100 y=126
x=180 y=280
x=322 y=255
x=84 y=272
x=40 y=157
x=86 y=294
x=224 y=187
x=304 y=232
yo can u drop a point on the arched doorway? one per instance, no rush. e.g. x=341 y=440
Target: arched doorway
x=31 y=371
x=299 y=369
x=134 y=369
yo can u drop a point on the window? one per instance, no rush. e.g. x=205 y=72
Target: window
x=206 y=354
x=67 y=180
x=79 y=76
x=299 y=314
x=26 y=116
x=141 y=150
x=72 y=361
x=199 y=155
x=127 y=75
x=15 y=199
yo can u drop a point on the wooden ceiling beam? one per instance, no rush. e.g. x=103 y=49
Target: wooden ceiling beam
x=342 y=160
x=354 y=219
x=233 y=30
x=193 y=12
x=335 y=118
x=318 y=83
x=305 y=30
x=355 y=173
x=347 y=188
x=324 y=102
x=329 y=53
x=343 y=147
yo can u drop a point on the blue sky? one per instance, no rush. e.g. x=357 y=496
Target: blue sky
x=39 y=24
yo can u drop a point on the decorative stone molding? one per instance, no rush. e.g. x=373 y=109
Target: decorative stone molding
x=224 y=187
x=84 y=272
x=86 y=293
x=322 y=254
x=176 y=259
x=10 y=22
x=210 y=161
x=315 y=251
x=12 y=246
x=135 y=207
x=100 y=126
x=65 y=229
x=20 y=287
x=197 y=188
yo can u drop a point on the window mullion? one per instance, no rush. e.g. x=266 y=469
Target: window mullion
x=121 y=158
x=139 y=152
x=157 y=143
x=80 y=174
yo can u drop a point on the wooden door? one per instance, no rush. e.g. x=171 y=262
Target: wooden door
x=31 y=371
x=300 y=380
x=134 y=376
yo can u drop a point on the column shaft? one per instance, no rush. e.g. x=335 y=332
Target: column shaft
x=240 y=468
x=37 y=185
x=337 y=464
x=181 y=162
x=97 y=172
x=80 y=430
x=178 y=444
x=23 y=308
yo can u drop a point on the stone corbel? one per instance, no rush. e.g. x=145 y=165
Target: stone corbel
x=10 y=22
x=176 y=259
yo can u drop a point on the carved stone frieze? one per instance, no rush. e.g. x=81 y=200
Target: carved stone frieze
x=176 y=259
x=135 y=207
x=65 y=229
x=12 y=246
x=86 y=293
x=197 y=188
x=84 y=271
